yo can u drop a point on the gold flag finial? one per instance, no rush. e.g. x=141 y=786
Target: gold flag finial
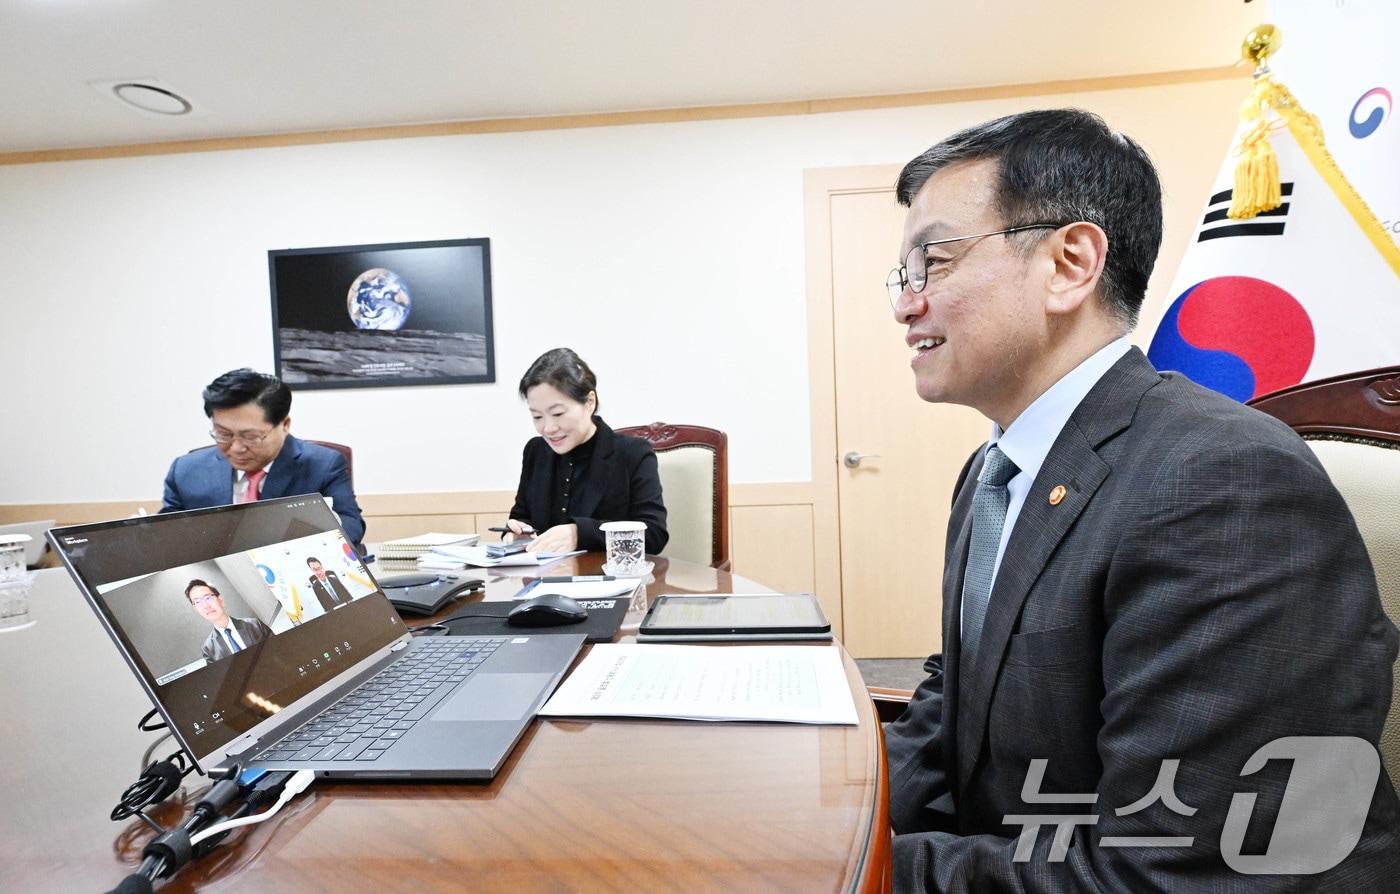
x=1261 y=43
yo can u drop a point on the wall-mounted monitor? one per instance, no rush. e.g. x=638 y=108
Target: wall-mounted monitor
x=355 y=316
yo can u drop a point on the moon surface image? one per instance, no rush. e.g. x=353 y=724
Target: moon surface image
x=310 y=355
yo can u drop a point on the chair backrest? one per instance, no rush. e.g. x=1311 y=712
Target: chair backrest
x=1352 y=423
x=694 y=466
x=343 y=451
x=338 y=448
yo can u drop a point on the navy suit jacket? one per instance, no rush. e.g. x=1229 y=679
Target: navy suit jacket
x=1183 y=583
x=204 y=478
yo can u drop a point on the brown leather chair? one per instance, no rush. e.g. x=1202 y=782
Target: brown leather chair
x=694 y=467
x=338 y=448
x=1352 y=423
x=343 y=451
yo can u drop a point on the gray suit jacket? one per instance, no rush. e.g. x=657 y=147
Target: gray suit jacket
x=1200 y=591
x=250 y=630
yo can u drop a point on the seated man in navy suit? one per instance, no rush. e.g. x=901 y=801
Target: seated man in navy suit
x=255 y=457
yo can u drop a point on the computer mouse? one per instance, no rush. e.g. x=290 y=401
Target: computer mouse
x=548 y=610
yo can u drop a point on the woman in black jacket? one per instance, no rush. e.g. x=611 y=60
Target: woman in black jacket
x=578 y=474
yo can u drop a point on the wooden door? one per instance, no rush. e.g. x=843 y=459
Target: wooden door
x=894 y=506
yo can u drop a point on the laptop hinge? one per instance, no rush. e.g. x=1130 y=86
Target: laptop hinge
x=398 y=647
x=239 y=747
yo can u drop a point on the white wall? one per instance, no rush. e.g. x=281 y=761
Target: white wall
x=670 y=256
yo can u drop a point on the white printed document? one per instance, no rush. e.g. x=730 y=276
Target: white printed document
x=476 y=555
x=791 y=684
x=580 y=589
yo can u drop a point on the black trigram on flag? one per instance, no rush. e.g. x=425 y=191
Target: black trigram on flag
x=1216 y=225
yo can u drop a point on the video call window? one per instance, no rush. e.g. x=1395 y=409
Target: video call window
x=180 y=620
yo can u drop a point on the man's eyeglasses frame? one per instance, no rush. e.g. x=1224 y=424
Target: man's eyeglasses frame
x=899 y=278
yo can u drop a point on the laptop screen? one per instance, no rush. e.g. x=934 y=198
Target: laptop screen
x=233 y=613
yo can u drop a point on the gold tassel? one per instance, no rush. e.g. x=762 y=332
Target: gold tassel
x=1257 y=186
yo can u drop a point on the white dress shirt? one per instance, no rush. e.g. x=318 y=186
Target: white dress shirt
x=237 y=637
x=1031 y=435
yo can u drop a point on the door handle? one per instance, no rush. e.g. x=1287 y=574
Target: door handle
x=852 y=460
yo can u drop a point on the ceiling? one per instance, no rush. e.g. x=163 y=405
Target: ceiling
x=254 y=67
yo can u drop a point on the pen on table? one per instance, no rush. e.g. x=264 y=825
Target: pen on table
x=571 y=579
x=509 y=531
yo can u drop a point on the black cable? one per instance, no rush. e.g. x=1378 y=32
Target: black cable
x=171 y=850
x=464 y=616
x=150 y=715
x=263 y=793
x=442 y=625
x=157 y=782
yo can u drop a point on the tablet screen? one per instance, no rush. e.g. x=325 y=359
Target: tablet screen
x=759 y=612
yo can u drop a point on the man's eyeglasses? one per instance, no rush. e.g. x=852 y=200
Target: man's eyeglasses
x=914 y=271
x=206 y=599
x=247 y=439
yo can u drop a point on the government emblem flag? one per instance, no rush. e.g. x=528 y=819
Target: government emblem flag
x=1293 y=272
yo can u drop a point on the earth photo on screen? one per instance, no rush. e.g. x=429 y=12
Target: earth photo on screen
x=378 y=299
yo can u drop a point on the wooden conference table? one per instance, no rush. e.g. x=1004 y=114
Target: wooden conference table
x=614 y=805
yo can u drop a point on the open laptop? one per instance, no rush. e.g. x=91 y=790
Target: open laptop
x=265 y=642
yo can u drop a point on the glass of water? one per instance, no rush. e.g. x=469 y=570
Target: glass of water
x=12 y=556
x=626 y=543
x=14 y=583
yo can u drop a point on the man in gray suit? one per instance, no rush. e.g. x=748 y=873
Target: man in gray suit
x=1145 y=583
x=230 y=635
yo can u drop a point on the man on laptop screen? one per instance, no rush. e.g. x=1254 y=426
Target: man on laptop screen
x=229 y=635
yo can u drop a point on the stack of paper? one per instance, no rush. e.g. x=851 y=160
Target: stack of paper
x=403 y=555
x=580 y=589
x=455 y=558
x=792 y=684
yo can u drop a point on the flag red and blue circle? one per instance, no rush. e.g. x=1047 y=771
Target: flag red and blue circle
x=1237 y=335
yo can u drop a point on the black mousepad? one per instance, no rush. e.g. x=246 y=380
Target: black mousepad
x=489 y=619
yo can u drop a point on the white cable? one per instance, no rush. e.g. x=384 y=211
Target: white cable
x=299 y=782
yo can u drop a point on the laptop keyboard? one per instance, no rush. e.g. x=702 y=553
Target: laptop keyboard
x=368 y=721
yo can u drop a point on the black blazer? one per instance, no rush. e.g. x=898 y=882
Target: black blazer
x=330 y=594
x=622 y=484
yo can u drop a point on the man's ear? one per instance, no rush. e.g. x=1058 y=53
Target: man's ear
x=1077 y=255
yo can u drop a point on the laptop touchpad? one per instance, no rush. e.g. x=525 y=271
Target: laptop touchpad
x=493 y=697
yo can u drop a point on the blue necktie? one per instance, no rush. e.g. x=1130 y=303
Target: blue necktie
x=232 y=643
x=989 y=503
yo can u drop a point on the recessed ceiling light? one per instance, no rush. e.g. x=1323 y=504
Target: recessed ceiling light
x=151 y=97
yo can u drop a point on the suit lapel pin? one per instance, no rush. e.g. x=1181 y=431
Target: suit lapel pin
x=1057 y=494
